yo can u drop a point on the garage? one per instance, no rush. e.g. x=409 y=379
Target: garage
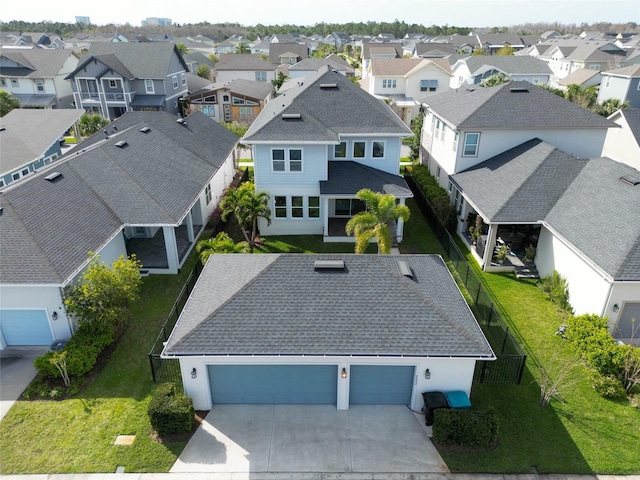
x=381 y=385
x=273 y=384
x=25 y=327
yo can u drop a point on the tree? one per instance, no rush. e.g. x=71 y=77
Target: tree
x=554 y=378
x=279 y=80
x=506 y=50
x=495 y=79
x=239 y=129
x=323 y=50
x=214 y=58
x=103 y=293
x=416 y=127
x=374 y=221
x=203 y=71
x=221 y=243
x=610 y=106
x=478 y=51
x=7 y=103
x=91 y=123
x=242 y=47
x=182 y=48
x=247 y=206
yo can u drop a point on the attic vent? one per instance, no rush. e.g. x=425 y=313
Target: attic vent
x=291 y=116
x=328 y=85
x=53 y=177
x=121 y=144
x=182 y=121
x=145 y=129
x=405 y=269
x=328 y=265
x=1 y=211
x=518 y=89
x=630 y=180
x=2 y=129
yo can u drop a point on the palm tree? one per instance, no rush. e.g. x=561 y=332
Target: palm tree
x=242 y=47
x=182 y=48
x=221 y=243
x=247 y=206
x=374 y=221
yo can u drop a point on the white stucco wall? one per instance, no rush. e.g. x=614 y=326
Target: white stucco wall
x=621 y=293
x=621 y=146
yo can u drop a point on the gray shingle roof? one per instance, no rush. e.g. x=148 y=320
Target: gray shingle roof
x=512 y=105
x=46 y=63
x=632 y=116
x=313 y=64
x=300 y=50
x=243 y=61
x=510 y=64
x=153 y=180
x=393 y=66
x=348 y=178
x=325 y=113
x=579 y=76
x=250 y=88
x=632 y=71
x=279 y=305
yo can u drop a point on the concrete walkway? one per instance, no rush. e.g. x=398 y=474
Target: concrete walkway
x=16 y=372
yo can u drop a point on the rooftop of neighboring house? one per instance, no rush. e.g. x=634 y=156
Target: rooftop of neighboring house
x=243 y=61
x=509 y=64
x=512 y=105
x=404 y=66
x=37 y=63
x=27 y=134
x=312 y=64
x=536 y=182
x=632 y=117
x=499 y=39
x=283 y=304
x=47 y=226
x=579 y=76
x=435 y=49
x=632 y=71
x=371 y=49
x=320 y=108
x=461 y=40
x=299 y=50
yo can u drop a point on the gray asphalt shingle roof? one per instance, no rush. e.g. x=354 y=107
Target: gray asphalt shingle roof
x=348 y=178
x=277 y=304
x=46 y=63
x=243 y=61
x=632 y=116
x=510 y=64
x=325 y=113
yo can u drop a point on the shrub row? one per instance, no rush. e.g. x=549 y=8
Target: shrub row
x=436 y=195
x=466 y=427
x=82 y=350
x=557 y=289
x=170 y=411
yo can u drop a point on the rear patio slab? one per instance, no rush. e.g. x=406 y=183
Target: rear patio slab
x=310 y=438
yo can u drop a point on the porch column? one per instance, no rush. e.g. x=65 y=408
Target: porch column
x=171 y=246
x=490 y=245
x=325 y=215
x=400 y=224
x=189 y=220
x=342 y=402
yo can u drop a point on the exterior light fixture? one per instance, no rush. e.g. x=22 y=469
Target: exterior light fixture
x=343 y=374
x=427 y=374
x=54 y=316
x=194 y=372
x=616 y=307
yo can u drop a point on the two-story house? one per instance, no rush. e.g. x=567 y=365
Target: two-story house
x=622 y=84
x=318 y=144
x=310 y=65
x=405 y=82
x=36 y=77
x=115 y=78
x=473 y=70
x=376 y=48
x=245 y=66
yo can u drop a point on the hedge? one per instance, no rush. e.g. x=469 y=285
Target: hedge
x=436 y=195
x=473 y=428
x=170 y=411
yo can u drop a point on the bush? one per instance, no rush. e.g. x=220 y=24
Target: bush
x=436 y=195
x=170 y=411
x=556 y=287
x=608 y=386
x=466 y=427
x=590 y=335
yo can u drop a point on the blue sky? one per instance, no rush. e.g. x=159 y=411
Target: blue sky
x=471 y=13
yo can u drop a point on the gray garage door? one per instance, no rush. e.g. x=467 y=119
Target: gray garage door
x=380 y=385
x=25 y=327
x=279 y=384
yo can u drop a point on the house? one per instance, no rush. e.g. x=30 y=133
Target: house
x=582 y=77
x=334 y=329
x=621 y=84
x=492 y=42
x=310 y=65
x=31 y=140
x=536 y=195
x=473 y=70
x=115 y=78
x=37 y=76
x=147 y=188
x=378 y=49
x=338 y=40
x=623 y=144
x=287 y=53
x=33 y=40
x=236 y=101
x=315 y=146
x=245 y=66
x=465 y=44
x=405 y=82
x=433 y=49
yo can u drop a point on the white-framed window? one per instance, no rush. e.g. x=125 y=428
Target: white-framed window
x=378 y=149
x=261 y=76
x=40 y=85
x=607 y=82
x=15 y=82
x=286 y=160
x=388 y=83
x=295 y=160
x=428 y=85
x=438 y=172
x=347 y=207
x=439 y=129
x=340 y=150
x=237 y=101
x=1 y=182
x=594 y=67
x=450 y=187
x=210 y=99
x=471 y=141
x=207 y=193
x=183 y=79
x=208 y=110
x=313 y=210
x=25 y=172
x=456 y=138
x=113 y=84
x=15 y=176
x=246 y=113
x=458 y=202
x=297 y=207
x=280 y=206
x=225 y=98
x=277 y=160
x=359 y=149
x=174 y=79
x=148 y=86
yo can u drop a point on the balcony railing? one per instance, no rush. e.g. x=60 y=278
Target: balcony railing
x=115 y=97
x=110 y=97
x=90 y=96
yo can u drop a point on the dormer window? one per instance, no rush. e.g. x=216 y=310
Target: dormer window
x=148 y=86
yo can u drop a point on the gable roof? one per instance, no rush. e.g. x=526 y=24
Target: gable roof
x=313 y=64
x=154 y=180
x=329 y=105
x=277 y=49
x=511 y=105
x=500 y=39
x=434 y=49
x=243 y=61
x=632 y=71
x=379 y=48
x=509 y=64
x=632 y=116
x=278 y=304
x=39 y=63
x=579 y=76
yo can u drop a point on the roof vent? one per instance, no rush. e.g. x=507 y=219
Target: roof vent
x=405 y=269
x=518 y=89
x=328 y=265
x=2 y=129
x=182 y=121
x=291 y=116
x=326 y=86
x=145 y=129
x=121 y=144
x=1 y=211
x=630 y=180
x=53 y=177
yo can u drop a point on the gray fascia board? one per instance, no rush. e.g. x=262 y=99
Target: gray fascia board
x=324 y=355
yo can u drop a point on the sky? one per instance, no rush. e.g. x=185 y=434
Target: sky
x=464 y=13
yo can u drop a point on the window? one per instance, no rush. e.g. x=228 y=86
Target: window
x=207 y=193
x=438 y=172
x=3 y=82
x=208 y=110
x=14 y=82
x=295 y=160
x=536 y=81
x=174 y=78
x=148 y=86
x=439 y=128
x=183 y=79
x=1 y=182
x=428 y=85
x=280 y=207
x=40 y=85
x=16 y=176
x=358 y=149
x=314 y=207
x=594 y=67
x=471 y=141
x=607 y=81
x=297 y=210
x=389 y=83
x=225 y=98
x=456 y=137
x=25 y=172
x=348 y=207
x=340 y=150
x=277 y=160
x=378 y=149
x=210 y=99
x=237 y=101
x=279 y=157
x=450 y=187
x=246 y=113
x=113 y=84
x=261 y=76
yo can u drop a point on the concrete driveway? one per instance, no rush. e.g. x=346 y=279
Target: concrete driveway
x=16 y=372
x=310 y=438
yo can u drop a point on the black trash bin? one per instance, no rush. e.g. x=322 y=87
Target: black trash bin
x=433 y=400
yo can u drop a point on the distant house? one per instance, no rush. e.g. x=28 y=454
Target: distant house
x=622 y=84
x=492 y=42
x=465 y=44
x=310 y=65
x=195 y=59
x=245 y=66
x=378 y=49
x=36 y=77
x=31 y=140
x=116 y=78
x=623 y=144
x=433 y=49
x=287 y=53
x=473 y=70
x=338 y=40
x=582 y=77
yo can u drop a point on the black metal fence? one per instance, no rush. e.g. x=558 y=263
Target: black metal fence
x=511 y=359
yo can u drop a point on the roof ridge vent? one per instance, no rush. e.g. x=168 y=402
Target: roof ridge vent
x=291 y=116
x=2 y=129
x=53 y=177
x=405 y=269
x=328 y=86
x=121 y=144
x=145 y=129
x=630 y=180
x=518 y=89
x=328 y=265
x=182 y=121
